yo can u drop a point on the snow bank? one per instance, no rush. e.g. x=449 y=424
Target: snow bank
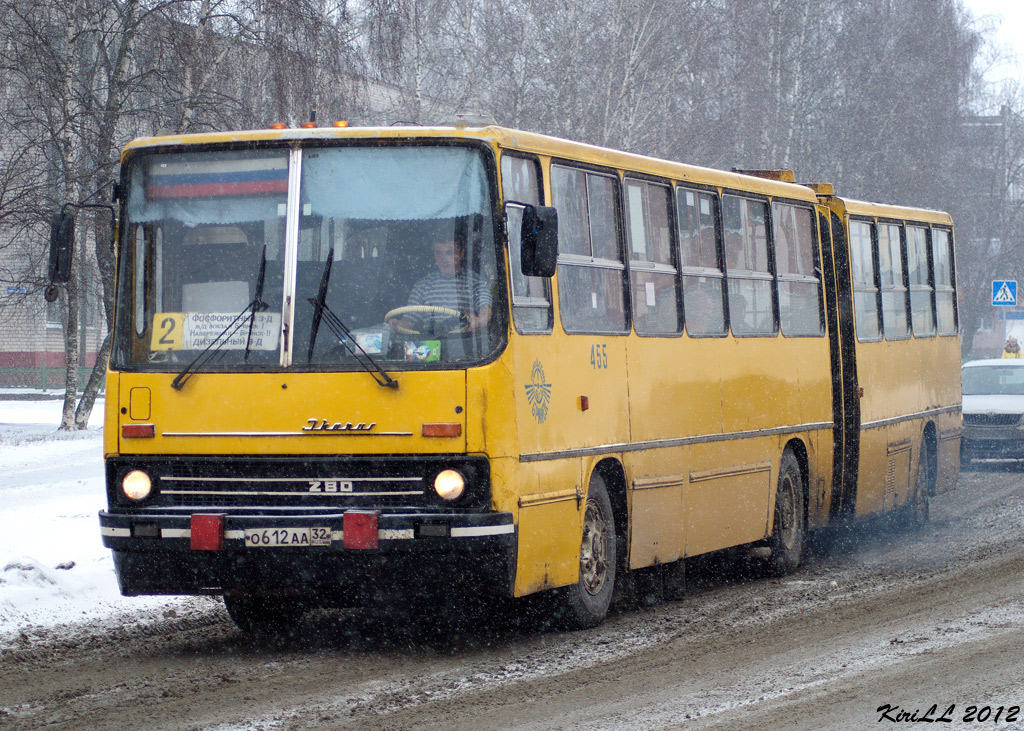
x=54 y=570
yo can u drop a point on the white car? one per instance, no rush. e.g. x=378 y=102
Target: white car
x=993 y=406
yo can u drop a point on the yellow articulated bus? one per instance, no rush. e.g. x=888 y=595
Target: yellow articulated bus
x=355 y=363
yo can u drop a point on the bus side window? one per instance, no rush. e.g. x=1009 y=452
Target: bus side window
x=799 y=286
x=945 y=290
x=531 y=296
x=922 y=305
x=745 y=223
x=590 y=267
x=652 y=275
x=894 y=292
x=865 y=290
x=699 y=262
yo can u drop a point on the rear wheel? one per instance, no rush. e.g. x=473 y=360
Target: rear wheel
x=585 y=603
x=790 y=531
x=915 y=513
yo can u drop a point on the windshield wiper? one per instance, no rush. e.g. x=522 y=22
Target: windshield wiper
x=257 y=300
x=318 y=305
x=321 y=311
x=225 y=335
x=336 y=326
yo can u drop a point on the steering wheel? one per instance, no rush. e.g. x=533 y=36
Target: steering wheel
x=461 y=317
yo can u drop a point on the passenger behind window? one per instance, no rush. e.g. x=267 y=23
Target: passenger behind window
x=739 y=315
x=734 y=257
x=702 y=305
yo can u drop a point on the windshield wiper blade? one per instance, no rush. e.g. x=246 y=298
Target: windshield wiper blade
x=336 y=326
x=225 y=335
x=216 y=344
x=319 y=304
x=257 y=304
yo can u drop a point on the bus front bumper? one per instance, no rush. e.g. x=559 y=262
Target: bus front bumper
x=394 y=553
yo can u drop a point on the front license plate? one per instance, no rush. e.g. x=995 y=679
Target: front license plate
x=277 y=537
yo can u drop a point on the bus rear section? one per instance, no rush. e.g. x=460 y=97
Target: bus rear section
x=898 y=422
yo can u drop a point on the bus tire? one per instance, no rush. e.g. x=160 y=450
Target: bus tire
x=789 y=532
x=915 y=512
x=263 y=616
x=585 y=604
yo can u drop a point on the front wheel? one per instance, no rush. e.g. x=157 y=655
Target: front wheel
x=263 y=616
x=585 y=603
x=790 y=531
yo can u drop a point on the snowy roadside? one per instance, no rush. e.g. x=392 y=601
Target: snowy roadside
x=54 y=571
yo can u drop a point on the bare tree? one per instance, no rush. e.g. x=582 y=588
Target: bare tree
x=862 y=93
x=989 y=209
x=69 y=64
x=84 y=76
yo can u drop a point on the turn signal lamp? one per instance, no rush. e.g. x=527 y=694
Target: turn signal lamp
x=443 y=429
x=138 y=431
x=136 y=485
x=449 y=484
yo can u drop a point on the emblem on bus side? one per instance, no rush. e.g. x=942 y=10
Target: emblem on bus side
x=324 y=425
x=538 y=393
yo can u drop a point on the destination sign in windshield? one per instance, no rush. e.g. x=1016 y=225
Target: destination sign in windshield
x=198 y=330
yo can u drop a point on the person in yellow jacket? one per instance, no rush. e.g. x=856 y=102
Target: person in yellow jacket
x=1011 y=349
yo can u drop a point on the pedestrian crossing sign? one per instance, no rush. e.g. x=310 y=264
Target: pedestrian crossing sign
x=1004 y=293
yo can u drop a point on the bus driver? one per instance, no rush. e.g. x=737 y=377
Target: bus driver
x=451 y=287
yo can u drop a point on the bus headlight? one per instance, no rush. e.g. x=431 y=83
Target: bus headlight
x=136 y=485
x=449 y=484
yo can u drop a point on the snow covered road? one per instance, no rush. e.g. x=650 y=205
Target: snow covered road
x=879 y=619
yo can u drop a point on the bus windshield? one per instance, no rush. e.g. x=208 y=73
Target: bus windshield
x=318 y=258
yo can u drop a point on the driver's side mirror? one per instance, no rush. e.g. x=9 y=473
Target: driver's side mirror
x=539 y=241
x=62 y=248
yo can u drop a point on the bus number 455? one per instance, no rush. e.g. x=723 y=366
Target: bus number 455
x=599 y=356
